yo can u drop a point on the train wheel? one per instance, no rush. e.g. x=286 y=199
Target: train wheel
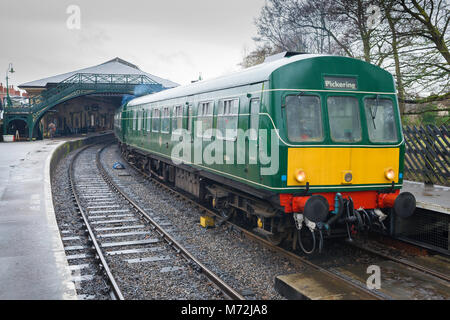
x=227 y=213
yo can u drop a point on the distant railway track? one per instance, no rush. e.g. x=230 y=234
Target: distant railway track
x=104 y=207
x=114 y=288
x=333 y=274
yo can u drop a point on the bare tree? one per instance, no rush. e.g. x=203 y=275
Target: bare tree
x=258 y=55
x=410 y=38
x=434 y=17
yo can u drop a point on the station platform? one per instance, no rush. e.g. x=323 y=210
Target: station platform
x=33 y=264
x=435 y=198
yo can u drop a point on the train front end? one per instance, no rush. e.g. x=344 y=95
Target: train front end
x=343 y=147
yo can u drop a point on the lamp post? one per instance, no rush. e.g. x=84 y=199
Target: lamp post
x=8 y=99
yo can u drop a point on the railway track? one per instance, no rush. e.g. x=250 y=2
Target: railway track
x=342 y=278
x=402 y=261
x=121 y=235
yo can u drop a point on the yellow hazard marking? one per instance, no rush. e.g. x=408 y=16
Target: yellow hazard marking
x=206 y=221
x=326 y=166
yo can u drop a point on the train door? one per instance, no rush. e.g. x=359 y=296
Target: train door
x=252 y=145
x=144 y=124
x=123 y=124
x=189 y=121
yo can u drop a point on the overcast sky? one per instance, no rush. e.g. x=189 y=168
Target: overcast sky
x=173 y=39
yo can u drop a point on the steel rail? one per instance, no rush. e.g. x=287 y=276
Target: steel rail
x=288 y=254
x=114 y=287
x=402 y=261
x=222 y=285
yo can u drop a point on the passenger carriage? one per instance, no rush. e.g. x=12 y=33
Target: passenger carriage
x=303 y=146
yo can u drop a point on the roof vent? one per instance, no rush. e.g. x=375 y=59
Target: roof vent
x=281 y=55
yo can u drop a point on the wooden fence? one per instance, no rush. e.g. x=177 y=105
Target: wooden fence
x=427 y=154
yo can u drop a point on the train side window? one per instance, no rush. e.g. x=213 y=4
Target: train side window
x=156 y=120
x=165 y=120
x=139 y=120
x=205 y=117
x=254 y=119
x=130 y=119
x=149 y=119
x=177 y=118
x=343 y=114
x=134 y=120
x=189 y=118
x=227 y=119
x=304 y=118
x=144 y=123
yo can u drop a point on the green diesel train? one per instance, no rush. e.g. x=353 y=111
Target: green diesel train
x=301 y=147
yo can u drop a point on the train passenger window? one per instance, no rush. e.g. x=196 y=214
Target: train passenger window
x=205 y=117
x=254 y=119
x=134 y=119
x=345 y=124
x=139 y=125
x=149 y=119
x=380 y=120
x=156 y=120
x=177 y=118
x=189 y=118
x=304 y=118
x=165 y=120
x=144 y=123
x=227 y=119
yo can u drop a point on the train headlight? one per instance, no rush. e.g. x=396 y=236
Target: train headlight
x=347 y=177
x=389 y=174
x=300 y=175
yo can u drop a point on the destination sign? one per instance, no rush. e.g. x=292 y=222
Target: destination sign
x=340 y=83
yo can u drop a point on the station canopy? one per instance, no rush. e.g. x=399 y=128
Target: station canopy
x=88 y=97
x=114 y=66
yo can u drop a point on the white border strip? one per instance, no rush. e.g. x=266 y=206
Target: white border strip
x=70 y=292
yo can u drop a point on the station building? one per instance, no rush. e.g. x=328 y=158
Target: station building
x=80 y=101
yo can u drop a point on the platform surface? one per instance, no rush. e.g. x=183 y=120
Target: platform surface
x=314 y=285
x=436 y=198
x=33 y=264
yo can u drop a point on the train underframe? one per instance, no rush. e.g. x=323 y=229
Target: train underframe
x=301 y=221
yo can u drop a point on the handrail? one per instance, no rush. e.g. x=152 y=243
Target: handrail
x=80 y=81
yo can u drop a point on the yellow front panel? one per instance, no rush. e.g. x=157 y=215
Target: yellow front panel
x=326 y=166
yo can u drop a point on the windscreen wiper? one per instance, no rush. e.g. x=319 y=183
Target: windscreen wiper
x=374 y=114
